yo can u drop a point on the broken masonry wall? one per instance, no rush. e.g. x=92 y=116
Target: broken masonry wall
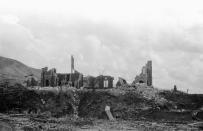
x=48 y=77
x=103 y=82
x=99 y=82
x=121 y=82
x=44 y=70
x=63 y=78
x=145 y=75
x=77 y=79
x=31 y=81
x=142 y=78
x=149 y=73
x=51 y=78
x=88 y=82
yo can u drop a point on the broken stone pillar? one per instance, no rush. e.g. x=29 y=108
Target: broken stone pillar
x=175 y=88
x=108 y=112
x=43 y=72
x=149 y=72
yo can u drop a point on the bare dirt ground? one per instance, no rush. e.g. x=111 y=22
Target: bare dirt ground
x=23 y=122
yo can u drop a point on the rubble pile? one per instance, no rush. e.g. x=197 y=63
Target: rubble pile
x=153 y=94
x=87 y=103
x=134 y=102
x=146 y=91
x=122 y=83
x=123 y=106
x=183 y=101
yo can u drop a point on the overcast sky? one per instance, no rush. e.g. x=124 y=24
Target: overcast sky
x=110 y=37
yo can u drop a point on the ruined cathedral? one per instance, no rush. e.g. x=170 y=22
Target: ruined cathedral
x=52 y=78
x=49 y=77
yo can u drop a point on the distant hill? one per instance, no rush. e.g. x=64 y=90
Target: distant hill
x=14 y=71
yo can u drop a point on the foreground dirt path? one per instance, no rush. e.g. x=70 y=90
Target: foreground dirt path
x=23 y=122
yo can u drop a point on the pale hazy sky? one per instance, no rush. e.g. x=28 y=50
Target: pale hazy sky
x=114 y=37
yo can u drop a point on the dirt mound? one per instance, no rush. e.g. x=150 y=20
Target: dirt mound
x=132 y=103
x=183 y=100
x=123 y=106
x=91 y=104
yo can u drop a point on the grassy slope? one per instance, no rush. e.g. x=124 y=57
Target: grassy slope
x=15 y=71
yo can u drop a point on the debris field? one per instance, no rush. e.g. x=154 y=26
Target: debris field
x=137 y=107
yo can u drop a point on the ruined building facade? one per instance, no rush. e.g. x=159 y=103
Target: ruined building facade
x=101 y=81
x=49 y=77
x=76 y=79
x=146 y=75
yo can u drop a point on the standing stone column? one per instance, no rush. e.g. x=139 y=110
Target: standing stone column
x=149 y=73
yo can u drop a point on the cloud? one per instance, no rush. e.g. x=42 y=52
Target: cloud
x=16 y=41
x=9 y=19
x=102 y=47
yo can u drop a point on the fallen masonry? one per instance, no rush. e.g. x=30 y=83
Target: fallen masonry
x=125 y=104
x=75 y=107
x=121 y=82
x=136 y=103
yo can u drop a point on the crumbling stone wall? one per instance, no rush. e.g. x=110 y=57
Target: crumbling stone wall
x=101 y=82
x=31 y=81
x=48 y=77
x=121 y=82
x=88 y=81
x=51 y=78
x=146 y=75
